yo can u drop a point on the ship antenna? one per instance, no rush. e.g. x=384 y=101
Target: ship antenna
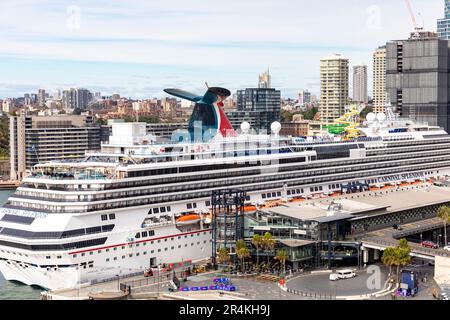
x=207 y=84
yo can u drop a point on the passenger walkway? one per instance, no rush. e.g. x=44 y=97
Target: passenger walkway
x=389 y=237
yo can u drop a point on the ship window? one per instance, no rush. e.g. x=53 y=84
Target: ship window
x=194 y=205
x=123 y=257
x=91 y=253
x=115 y=249
x=159 y=250
x=163 y=209
x=104 y=217
x=130 y=255
x=47 y=257
x=208 y=203
x=247 y=198
x=145 y=252
x=99 y=251
x=165 y=240
x=155 y=210
x=138 y=235
x=278 y=193
x=274 y=194
x=112 y=216
x=289 y=192
x=144 y=234
x=168 y=208
x=165 y=249
x=115 y=258
x=152 y=251
x=83 y=254
x=151 y=233
x=137 y=254
x=74 y=256
x=263 y=195
x=107 y=259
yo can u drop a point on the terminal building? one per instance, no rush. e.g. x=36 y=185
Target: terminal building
x=320 y=232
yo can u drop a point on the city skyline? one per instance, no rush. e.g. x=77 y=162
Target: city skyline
x=137 y=49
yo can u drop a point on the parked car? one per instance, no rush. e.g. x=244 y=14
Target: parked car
x=429 y=244
x=447 y=248
x=397 y=227
x=342 y=274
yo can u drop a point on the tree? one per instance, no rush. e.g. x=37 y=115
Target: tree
x=257 y=241
x=268 y=244
x=240 y=244
x=223 y=256
x=398 y=256
x=243 y=253
x=310 y=113
x=282 y=256
x=388 y=258
x=444 y=214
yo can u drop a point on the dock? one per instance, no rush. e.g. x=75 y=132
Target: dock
x=9 y=185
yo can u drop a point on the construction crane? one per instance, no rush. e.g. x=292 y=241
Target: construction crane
x=417 y=29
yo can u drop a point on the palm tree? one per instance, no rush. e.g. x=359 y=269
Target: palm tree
x=444 y=214
x=403 y=255
x=240 y=244
x=282 y=256
x=398 y=256
x=388 y=258
x=243 y=253
x=257 y=241
x=268 y=244
x=223 y=255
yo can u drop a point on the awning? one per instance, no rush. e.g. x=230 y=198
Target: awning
x=293 y=243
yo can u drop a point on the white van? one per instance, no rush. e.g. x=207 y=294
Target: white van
x=345 y=274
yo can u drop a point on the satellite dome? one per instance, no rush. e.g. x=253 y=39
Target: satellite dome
x=245 y=126
x=275 y=127
x=381 y=117
x=371 y=117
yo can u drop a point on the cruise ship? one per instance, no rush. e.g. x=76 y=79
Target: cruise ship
x=140 y=202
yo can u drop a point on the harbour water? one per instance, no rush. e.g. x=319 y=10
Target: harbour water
x=13 y=290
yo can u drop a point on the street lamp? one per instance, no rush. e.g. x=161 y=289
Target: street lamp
x=118 y=282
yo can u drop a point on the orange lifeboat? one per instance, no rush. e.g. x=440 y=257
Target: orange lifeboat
x=188 y=219
x=249 y=208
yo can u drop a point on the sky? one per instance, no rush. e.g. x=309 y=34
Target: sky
x=139 y=47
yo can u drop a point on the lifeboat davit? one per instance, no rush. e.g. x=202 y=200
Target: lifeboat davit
x=188 y=219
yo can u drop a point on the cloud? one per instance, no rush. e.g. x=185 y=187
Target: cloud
x=198 y=39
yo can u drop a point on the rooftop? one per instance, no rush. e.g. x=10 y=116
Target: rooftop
x=363 y=204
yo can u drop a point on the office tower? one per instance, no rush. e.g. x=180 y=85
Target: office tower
x=304 y=96
x=76 y=98
x=35 y=139
x=443 y=25
x=83 y=97
x=41 y=97
x=417 y=78
x=333 y=87
x=258 y=106
x=360 y=84
x=265 y=80
x=379 y=79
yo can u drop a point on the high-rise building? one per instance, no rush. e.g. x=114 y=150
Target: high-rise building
x=76 y=98
x=41 y=97
x=417 y=78
x=265 y=80
x=304 y=96
x=258 y=106
x=443 y=25
x=360 y=84
x=379 y=79
x=333 y=87
x=35 y=139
